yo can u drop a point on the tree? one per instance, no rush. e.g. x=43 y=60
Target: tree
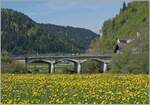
x=124 y=6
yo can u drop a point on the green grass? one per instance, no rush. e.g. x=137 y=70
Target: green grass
x=44 y=67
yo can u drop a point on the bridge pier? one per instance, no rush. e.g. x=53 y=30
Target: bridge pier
x=51 y=68
x=77 y=60
x=78 y=67
x=26 y=64
x=105 y=67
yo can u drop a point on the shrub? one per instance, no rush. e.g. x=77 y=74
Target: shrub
x=134 y=59
x=17 y=67
x=10 y=66
x=90 y=67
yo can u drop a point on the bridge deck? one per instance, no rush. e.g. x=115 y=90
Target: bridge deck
x=59 y=57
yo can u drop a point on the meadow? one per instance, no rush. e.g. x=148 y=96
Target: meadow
x=44 y=67
x=74 y=88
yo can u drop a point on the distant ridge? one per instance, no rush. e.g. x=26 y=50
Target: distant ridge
x=22 y=35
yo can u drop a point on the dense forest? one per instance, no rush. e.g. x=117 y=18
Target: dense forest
x=21 y=35
x=132 y=19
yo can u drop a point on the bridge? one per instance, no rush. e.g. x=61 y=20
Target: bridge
x=77 y=60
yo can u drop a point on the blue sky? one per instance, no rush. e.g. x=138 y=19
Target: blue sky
x=88 y=14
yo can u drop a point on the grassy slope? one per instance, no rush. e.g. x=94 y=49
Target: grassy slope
x=124 y=25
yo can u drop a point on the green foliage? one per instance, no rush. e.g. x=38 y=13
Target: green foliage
x=135 y=58
x=132 y=19
x=129 y=63
x=35 y=68
x=124 y=6
x=21 y=35
x=124 y=25
x=66 y=69
x=10 y=66
x=17 y=67
x=90 y=67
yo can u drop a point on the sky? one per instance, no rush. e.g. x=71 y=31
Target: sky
x=89 y=14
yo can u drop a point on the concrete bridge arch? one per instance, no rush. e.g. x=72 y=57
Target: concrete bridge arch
x=39 y=61
x=49 y=62
x=102 y=62
x=70 y=60
x=77 y=60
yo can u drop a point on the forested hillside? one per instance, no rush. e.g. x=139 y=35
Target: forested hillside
x=132 y=19
x=21 y=35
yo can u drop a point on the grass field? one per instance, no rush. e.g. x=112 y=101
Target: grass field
x=75 y=88
x=44 y=67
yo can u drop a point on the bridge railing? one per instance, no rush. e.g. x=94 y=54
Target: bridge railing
x=59 y=55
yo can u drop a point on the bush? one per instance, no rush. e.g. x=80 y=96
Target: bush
x=134 y=58
x=17 y=67
x=10 y=66
x=90 y=67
